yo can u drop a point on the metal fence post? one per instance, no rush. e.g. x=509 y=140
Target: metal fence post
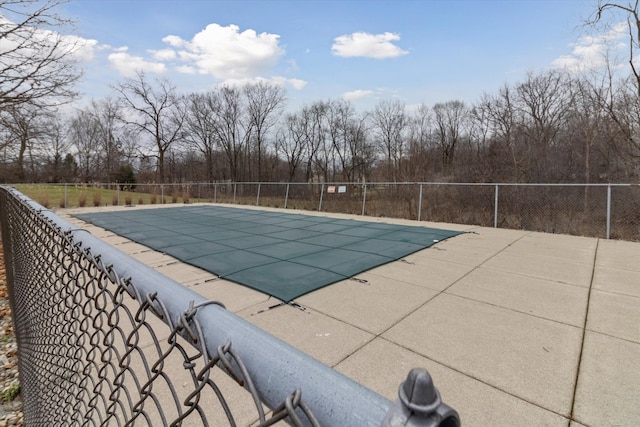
x=161 y=194
x=215 y=192
x=495 y=210
x=420 y=204
x=608 y=211
x=321 y=194
x=117 y=194
x=235 y=187
x=286 y=196
x=65 y=195
x=258 y=197
x=364 y=198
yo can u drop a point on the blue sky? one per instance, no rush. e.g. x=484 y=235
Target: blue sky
x=417 y=51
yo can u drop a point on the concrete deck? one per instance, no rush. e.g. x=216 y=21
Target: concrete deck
x=516 y=327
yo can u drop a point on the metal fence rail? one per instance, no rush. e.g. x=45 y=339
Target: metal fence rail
x=595 y=210
x=104 y=340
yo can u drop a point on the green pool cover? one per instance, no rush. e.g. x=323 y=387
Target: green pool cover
x=282 y=254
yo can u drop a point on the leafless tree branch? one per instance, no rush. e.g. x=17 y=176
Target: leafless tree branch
x=38 y=64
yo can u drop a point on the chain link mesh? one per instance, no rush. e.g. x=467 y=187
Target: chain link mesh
x=625 y=213
x=94 y=351
x=578 y=209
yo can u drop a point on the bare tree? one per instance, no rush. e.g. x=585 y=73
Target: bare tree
x=25 y=125
x=390 y=123
x=502 y=116
x=419 y=143
x=450 y=119
x=340 y=117
x=290 y=140
x=97 y=132
x=304 y=138
x=481 y=156
x=38 y=64
x=232 y=129
x=84 y=133
x=631 y=14
x=361 y=150
x=315 y=126
x=621 y=100
x=544 y=101
x=264 y=106
x=57 y=150
x=622 y=105
x=348 y=136
x=587 y=120
x=108 y=114
x=200 y=128
x=155 y=111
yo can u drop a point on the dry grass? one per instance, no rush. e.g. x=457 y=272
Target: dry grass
x=97 y=198
x=43 y=199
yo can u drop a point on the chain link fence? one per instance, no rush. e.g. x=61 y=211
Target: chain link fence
x=594 y=210
x=105 y=341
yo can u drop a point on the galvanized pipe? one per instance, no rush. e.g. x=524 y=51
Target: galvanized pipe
x=321 y=194
x=364 y=198
x=608 y=211
x=495 y=209
x=286 y=196
x=420 y=204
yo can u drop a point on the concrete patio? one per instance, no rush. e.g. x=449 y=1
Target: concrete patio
x=516 y=327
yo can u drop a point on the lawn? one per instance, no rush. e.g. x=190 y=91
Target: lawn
x=61 y=196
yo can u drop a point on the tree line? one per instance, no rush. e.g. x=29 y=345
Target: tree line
x=554 y=126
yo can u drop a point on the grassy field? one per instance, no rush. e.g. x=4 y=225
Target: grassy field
x=60 y=196
x=71 y=196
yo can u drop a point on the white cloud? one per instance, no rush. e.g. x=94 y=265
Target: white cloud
x=185 y=69
x=164 y=54
x=174 y=41
x=68 y=46
x=297 y=83
x=357 y=94
x=294 y=83
x=278 y=80
x=108 y=47
x=129 y=65
x=377 y=46
x=226 y=53
x=591 y=52
x=293 y=65
x=81 y=49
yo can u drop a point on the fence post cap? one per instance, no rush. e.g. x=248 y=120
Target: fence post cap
x=418 y=393
x=419 y=404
